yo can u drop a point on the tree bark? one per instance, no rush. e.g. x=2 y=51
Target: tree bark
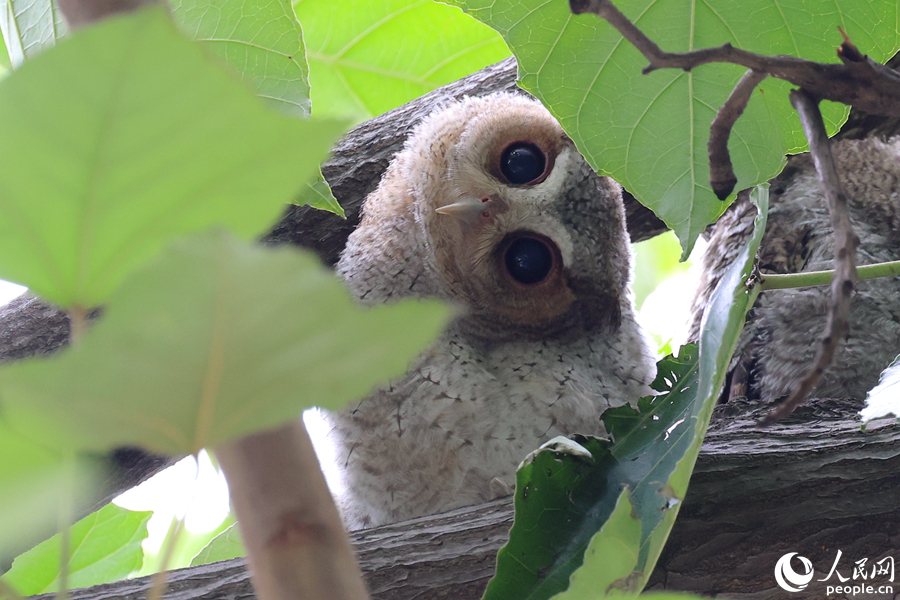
x=813 y=485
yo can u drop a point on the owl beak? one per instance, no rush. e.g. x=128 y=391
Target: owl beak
x=472 y=210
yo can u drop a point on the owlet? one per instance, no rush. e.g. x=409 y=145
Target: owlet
x=783 y=330
x=490 y=207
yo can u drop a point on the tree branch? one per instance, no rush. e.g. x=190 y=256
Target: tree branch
x=295 y=541
x=841 y=484
x=721 y=172
x=846 y=242
x=858 y=81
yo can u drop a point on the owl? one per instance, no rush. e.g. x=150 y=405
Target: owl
x=489 y=207
x=783 y=329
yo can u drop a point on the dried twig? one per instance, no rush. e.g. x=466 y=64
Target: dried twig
x=721 y=173
x=859 y=81
x=846 y=242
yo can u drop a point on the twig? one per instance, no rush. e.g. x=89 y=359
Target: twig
x=859 y=81
x=295 y=541
x=845 y=243
x=782 y=281
x=721 y=173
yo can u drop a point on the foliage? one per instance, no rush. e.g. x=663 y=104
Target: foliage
x=150 y=138
x=597 y=512
x=91 y=560
x=649 y=132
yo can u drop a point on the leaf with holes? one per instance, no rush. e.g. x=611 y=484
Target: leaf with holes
x=592 y=516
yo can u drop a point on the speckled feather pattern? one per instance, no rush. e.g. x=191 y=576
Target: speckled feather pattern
x=785 y=326
x=519 y=364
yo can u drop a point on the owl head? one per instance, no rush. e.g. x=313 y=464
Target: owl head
x=490 y=206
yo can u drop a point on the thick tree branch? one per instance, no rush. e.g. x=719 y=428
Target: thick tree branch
x=859 y=81
x=846 y=242
x=721 y=172
x=813 y=484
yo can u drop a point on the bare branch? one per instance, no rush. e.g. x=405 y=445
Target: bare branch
x=846 y=242
x=79 y=13
x=295 y=541
x=859 y=81
x=721 y=172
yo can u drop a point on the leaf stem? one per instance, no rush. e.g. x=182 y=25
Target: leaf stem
x=781 y=281
x=78 y=317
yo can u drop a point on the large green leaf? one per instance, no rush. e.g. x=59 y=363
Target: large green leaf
x=570 y=496
x=29 y=27
x=367 y=57
x=104 y=546
x=124 y=136
x=261 y=39
x=217 y=339
x=650 y=131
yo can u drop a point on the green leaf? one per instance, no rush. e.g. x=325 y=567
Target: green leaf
x=215 y=340
x=568 y=521
x=105 y=546
x=29 y=27
x=146 y=138
x=260 y=39
x=616 y=542
x=224 y=546
x=650 y=132
x=33 y=482
x=318 y=195
x=368 y=57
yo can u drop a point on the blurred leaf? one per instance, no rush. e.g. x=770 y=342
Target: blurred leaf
x=146 y=138
x=105 y=546
x=33 y=481
x=226 y=545
x=318 y=195
x=215 y=340
x=656 y=260
x=366 y=58
x=569 y=497
x=650 y=132
x=260 y=39
x=29 y=27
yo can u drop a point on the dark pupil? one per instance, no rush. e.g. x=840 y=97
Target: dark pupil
x=522 y=163
x=528 y=260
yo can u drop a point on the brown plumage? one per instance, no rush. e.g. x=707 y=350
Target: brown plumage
x=490 y=207
x=783 y=330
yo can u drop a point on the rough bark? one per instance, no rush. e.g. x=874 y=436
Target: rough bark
x=813 y=484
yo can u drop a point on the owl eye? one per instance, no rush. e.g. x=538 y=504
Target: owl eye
x=528 y=260
x=522 y=163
